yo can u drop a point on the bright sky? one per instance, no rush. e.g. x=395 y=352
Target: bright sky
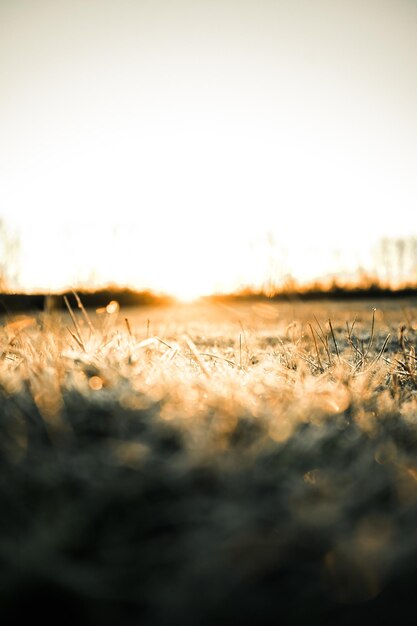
x=189 y=146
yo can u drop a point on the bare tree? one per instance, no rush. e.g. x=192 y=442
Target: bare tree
x=384 y=259
x=401 y=246
x=9 y=257
x=413 y=257
x=396 y=259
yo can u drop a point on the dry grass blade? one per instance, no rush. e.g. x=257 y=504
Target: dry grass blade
x=402 y=340
x=381 y=352
x=310 y=361
x=244 y=339
x=74 y=336
x=334 y=340
x=74 y=321
x=164 y=343
x=285 y=353
x=219 y=358
x=408 y=356
x=172 y=355
x=83 y=311
x=196 y=355
x=350 y=339
x=129 y=330
x=403 y=365
x=324 y=339
x=317 y=348
x=145 y=343
x=371 y=340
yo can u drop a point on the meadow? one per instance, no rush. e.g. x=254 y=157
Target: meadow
x=210 y=464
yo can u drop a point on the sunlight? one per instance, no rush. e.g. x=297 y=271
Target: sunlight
x=187 y=295
x=187 y=213
x=205 y=164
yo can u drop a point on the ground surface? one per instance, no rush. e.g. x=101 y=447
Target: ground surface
x=210 y=465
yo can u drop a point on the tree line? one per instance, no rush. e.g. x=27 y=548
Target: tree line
x=395 y=260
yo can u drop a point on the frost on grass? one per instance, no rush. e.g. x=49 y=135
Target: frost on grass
x=254 y=464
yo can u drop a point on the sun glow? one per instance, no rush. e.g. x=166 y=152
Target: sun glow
x=187 y=213
x=206 y=157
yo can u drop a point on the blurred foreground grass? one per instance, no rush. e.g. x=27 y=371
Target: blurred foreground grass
x=210 y=465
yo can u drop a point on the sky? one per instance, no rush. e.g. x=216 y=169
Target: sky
x=197 y=146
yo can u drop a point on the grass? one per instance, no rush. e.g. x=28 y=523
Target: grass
x=209 y=464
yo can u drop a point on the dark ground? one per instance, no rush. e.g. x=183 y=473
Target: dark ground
x=318 y=529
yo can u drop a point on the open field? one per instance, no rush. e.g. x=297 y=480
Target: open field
x=210 y=464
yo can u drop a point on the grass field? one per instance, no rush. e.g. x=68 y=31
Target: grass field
x=210 y=464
